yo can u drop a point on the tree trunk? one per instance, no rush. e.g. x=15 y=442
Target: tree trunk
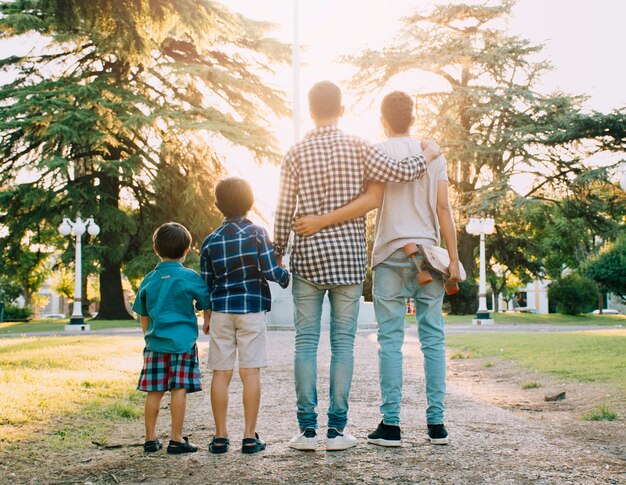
x=112 y=305
x=85 y=296
x=466 y=244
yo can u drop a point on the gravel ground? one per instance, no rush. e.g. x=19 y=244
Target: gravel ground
x=497 y=434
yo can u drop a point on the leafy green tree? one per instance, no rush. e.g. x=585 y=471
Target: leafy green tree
x=26 y=248
x=488 y=114
x=573 y=294
x=608 y=268
x=121 y=117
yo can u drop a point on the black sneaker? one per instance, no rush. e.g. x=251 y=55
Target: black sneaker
x=385 y=435
x=437 y=434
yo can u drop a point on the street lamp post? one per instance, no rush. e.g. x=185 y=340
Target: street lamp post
x=480 y=227
x=77 y=229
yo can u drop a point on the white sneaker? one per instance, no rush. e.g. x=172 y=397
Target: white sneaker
x=306 y=440
x=336 y=440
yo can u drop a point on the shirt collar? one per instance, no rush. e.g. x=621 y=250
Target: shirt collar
x=168 y=264
x=322 y=130
x=237 y=219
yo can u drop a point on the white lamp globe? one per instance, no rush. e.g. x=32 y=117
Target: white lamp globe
x=93 y=229
x=65 y=228
x=79 y=227
x=472 y=226
x=622 y=181
x=489 y=226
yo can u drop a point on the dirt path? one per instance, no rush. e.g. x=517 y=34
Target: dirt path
x=499 y=434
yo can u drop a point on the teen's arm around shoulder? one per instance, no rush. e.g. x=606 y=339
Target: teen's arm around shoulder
x=287 y=199
x=369 y=200
x=448 y=230
x=269 y=267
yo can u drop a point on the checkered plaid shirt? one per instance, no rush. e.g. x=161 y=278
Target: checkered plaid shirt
x=236 y=261
x=324 y=171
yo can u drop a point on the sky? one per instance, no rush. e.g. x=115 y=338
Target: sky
x=583 y=40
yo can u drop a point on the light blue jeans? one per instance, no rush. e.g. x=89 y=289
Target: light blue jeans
x=394 y=281
x=344 y=311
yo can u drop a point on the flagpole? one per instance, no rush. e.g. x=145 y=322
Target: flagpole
x=295 y=63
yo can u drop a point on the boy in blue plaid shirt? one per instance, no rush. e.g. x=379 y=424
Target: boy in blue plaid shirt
x=236 y=261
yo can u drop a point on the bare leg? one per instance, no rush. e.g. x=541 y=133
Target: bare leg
x=178 y=404
x=151 y=413
x=219 y=400
x=251 y=379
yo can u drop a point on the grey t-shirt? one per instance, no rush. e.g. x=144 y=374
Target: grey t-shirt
x=409 y=210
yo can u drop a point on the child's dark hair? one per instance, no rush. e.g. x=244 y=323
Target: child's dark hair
x=397 y=109
x=325 y=100
x=234 y=197
x=171 y=240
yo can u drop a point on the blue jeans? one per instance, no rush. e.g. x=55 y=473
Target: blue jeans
x=394 y=281
x=344 y=311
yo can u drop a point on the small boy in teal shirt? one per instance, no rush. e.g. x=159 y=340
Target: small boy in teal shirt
x=165 y=303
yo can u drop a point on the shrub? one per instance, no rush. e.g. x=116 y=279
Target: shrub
x=14 y=312
x=574 y=294
x=465 y=302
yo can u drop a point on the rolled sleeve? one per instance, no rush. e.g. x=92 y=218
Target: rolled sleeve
x=287 y=200
x=200 y=292
x=206 y=272
x=382 y=168
x=269 y=268
x=139 y=305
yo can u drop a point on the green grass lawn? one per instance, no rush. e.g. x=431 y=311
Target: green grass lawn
x=552 y=319
x=58 y=324
x=67 y=391
x=587 y=356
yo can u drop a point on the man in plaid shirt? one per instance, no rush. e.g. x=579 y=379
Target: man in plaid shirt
x=324 y=171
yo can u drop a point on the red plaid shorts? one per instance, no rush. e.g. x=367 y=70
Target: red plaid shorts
x=163 y=372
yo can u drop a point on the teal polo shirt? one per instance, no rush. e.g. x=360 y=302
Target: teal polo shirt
x=166 y=295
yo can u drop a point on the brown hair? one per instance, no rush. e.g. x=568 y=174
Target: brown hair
x=397 y=110
x=234 y=197
x=325 y=100
x=171 y=240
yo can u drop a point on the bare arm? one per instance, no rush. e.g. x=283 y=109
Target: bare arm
x=448 y=231
x=145 y=320
x=206 y=326
x=367 y=201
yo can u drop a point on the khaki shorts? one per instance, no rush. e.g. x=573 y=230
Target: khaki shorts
x=231 y=334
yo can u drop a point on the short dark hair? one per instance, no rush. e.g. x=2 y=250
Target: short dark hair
x=397 y=109
x=234 y=197
x=171 y=240
x=325 y=100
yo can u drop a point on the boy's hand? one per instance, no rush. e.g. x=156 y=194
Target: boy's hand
x=308 y=225
x=207 y=322
x=455 y=272
x=430 y=150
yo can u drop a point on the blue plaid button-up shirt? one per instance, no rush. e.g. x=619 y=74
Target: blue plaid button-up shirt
x=236 y=261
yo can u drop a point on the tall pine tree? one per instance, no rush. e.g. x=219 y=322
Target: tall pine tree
x=489 y=114
x=119 y=116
